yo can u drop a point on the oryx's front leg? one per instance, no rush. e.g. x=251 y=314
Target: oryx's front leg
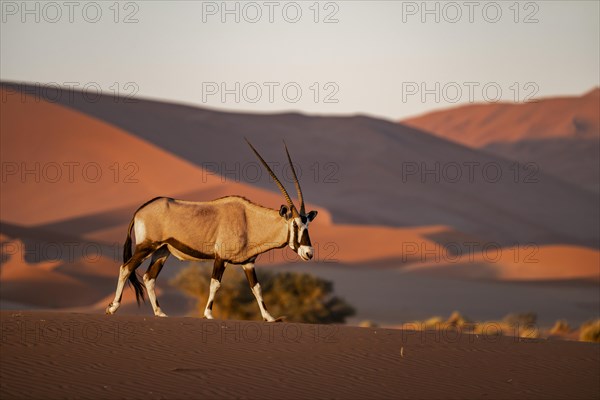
x=255 y=286
x=215 y=284
x=156 y=263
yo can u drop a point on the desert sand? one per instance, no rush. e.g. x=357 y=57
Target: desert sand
x=85 y=356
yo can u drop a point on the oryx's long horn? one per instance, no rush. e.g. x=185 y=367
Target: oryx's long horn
x=296 y=182
x=281 y=188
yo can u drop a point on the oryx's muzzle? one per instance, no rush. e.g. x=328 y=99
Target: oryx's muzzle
x=306 y=252
x=299 y=238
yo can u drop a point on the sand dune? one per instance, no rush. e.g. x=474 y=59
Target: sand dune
x=526 y=263
x=51 y=136
x=96 y=356
x=42 y=284
x=79 y=165
x=482 y=124
x=560 y=135
x=359 y=170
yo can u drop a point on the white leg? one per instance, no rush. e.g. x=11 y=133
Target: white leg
x=255 y=286
x=123 y=275
x=149 y=282
x=263 y=310
x=215 y=284
x=156 y=263
x=214 y=287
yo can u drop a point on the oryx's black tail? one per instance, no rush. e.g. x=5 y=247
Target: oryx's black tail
x=133 y=278
x=127 y=253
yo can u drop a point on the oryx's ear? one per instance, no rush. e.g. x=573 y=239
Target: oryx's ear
x=284 y=211
x=311 y=215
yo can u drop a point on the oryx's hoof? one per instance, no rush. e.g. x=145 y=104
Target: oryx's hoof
x=279 y=319
x=111 y=309
x=160 y=314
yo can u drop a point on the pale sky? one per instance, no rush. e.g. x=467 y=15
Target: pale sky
x=372 y=57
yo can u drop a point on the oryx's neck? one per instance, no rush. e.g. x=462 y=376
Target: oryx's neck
x=267 y=230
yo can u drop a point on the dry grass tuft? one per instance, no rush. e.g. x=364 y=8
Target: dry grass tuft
x=590 y=331
x=561 y=327
x=457 y=319
x=368 y=324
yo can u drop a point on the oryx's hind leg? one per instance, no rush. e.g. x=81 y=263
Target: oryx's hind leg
x=215 y=284
x=255 y=286
x=140 y=254
x=156 y=263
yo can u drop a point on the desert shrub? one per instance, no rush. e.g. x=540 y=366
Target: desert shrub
x=520 y=319
x=590 y=331
x=491 y=328
x=560 y=327
x=457 y=319
x=298 y=297
x=433 y=322
x=522 y=325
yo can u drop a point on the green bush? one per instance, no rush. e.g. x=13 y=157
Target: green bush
x=298 y=297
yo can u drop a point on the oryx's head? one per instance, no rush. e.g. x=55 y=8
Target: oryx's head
x=297 y=221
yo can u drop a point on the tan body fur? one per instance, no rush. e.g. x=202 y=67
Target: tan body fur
x=218 y=229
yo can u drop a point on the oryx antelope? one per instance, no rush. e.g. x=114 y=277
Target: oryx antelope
x=229 y=230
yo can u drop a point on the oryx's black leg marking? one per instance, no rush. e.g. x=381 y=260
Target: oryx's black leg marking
x=255 y=287
x=253 y=281
x=157 y=261
x=218 y=269
x=251 y=276
x=215 y=284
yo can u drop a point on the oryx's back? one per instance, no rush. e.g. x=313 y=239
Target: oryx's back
x=195 y=230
